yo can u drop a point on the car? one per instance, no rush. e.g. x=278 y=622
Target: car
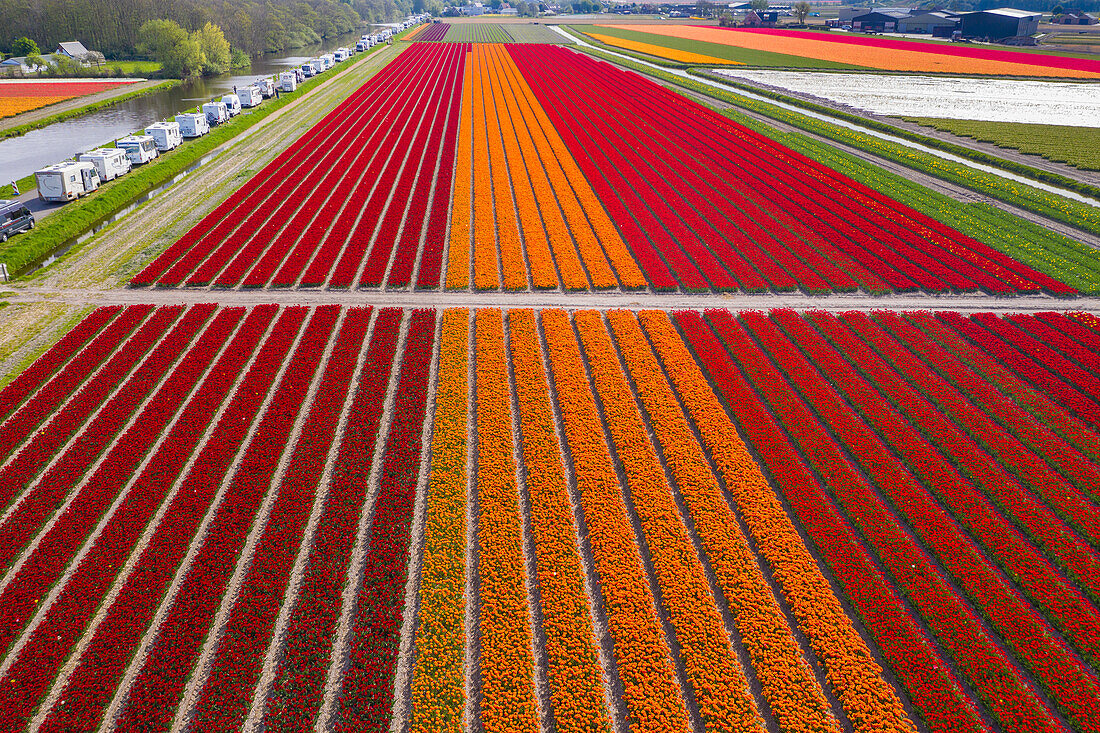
x=15 y=217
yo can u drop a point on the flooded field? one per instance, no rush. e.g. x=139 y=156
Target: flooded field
x=992 y=100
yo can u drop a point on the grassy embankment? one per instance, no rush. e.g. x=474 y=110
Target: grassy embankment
x=80 y=216
x=1056 y=255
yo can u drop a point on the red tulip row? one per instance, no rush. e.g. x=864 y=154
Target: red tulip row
x=181 y=258
x=39 y=498
x=989 y=339
x=689 y=201
x=1045 y=410
x=1078 y=344
x=919 y=666
x=155 y=693
x=295 y=697
x=1018 y=504
x=49 y=401
x=324 y=235
x=331 y=207
x=1010 y=347
x=1073 y=687
x=228 y=691
x=1044 y=353
x=56 y=357
x=366 y=697
x=379 y=213
x=98 y=670
x=1060 y=453
x=55 y=547
x=268 y=233
x=413 y=186
x=1083 y=341
x=67 y=617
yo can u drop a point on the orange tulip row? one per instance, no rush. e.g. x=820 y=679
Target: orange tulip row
x=711 y=666
x=556 y=176
x=439 y=678
x=458 y=251
x=507 y=676
x=787 y=681
x=869 y=702
x=484 y=223
x=573 y=670
x=643 y=661
x=516 y=147
x=513 y=268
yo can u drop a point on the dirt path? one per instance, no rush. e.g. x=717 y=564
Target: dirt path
x=76 y=103
x=672 y=301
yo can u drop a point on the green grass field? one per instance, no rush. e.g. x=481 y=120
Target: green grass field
x=534 y=33
x=745 y=56
x=135 y=68
x=1076 y=146
x=477 y=33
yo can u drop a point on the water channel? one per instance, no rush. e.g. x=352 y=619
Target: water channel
x=21 y=156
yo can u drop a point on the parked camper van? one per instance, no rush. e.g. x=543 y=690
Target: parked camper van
x=250 y=96
x=216 y=112
x=140 y=148
x=362 y=45
x=299 y=73
x=288 y=81
x=66 y=181
x=266 y=87
x=193 y=124
x=110 y=163
x=329 y=60
x=232 y=104
x=308 y=70
x=14 y=218
x=166 y=135
x=340 y=55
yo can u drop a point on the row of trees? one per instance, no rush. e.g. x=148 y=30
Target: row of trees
x=253 y=26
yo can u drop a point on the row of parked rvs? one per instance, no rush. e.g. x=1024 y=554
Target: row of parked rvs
x=75 y=178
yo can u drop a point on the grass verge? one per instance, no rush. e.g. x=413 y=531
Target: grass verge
x=1076 y=146
x=23 y=129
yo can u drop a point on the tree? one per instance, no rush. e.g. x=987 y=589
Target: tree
x=703 y=8
x=801 y=9
x=758 y=5
x=215 y=49
x=179 y=54
x=24 y=47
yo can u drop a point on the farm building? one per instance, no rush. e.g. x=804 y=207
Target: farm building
x=938 y=23
x=1076 y=17
x=761 y=19
x=847 y=15
x=999 y=23
x=885 y=21
x=77 y=51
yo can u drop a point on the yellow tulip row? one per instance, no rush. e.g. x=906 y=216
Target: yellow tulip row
x=507 y=675
x=439 y=678
x=869 y=701
x=458 y=251
x=573 y=671
x=645 y=668
x=785 y=677
x=710 y=663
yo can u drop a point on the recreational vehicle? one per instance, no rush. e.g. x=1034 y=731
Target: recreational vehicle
x=140 y=148
x=110 y=163
x=216 y=112
x=166 y=135
x=288 y=81
x=193 y=124
x=232 y=104
x=250 y=96
x=66 y=181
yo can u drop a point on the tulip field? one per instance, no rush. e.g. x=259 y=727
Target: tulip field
x=226 y=517
x=22 y=95
x=521 y=167
x=446 y=421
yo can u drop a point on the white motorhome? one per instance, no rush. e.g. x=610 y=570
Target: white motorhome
x=166 y=135
x=362 y=45
x=317 y=65
x=308 y=69
x=110 y=163
x=216 y=112
x=288 y=81
x=66 y=181
x=329 y=59
x=232 y=104
x=250 y=96
x=266 y=87
x=140 y=148
x=340 y=55
x=193 y=124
